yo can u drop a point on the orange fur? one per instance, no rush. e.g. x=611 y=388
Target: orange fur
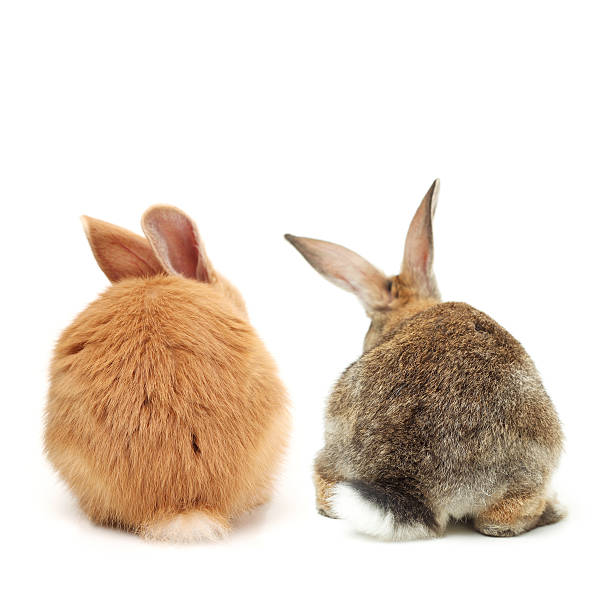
x=513 y=514
x=164 y=401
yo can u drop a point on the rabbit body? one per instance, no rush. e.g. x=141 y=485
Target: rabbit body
x=165 y=413
x=445 y=417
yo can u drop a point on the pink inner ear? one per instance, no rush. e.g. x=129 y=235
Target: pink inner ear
x=422 y=250
x=182 y=247
x=175 y=240
x=418 y=249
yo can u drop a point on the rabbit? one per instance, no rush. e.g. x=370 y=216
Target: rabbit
x=165 y=415
x=443 y=417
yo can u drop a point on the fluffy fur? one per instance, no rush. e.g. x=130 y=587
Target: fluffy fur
x=165 y=413
x=372 y=518
x=444 y=416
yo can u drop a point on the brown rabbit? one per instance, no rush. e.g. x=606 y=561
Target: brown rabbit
x=165 y=413
x=443 y=416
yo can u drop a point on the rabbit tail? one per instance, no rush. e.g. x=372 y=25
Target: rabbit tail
x=390 y=510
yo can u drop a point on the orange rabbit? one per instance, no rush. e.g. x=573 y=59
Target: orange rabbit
x=165 y=412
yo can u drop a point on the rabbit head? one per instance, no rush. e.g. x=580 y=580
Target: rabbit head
x=387 y=299
x=172 y=246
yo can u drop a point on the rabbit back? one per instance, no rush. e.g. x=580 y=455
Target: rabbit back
x=163 y=399
x=449 y=402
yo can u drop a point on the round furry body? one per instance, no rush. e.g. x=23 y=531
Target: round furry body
x=165 y=413
x=444 y=417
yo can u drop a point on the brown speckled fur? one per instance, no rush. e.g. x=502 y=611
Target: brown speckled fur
x=163 y=400
x=444 y=413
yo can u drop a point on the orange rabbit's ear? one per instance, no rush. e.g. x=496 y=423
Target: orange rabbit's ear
x=119 y=252
x=176 y=242
x=417 y=270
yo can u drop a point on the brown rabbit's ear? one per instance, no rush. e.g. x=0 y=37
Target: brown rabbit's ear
x=119 y=252
x=417 y=273
x=346 y=269
x=176 y=242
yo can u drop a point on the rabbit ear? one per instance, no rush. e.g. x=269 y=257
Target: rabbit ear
x=417 y=273
x=119 y=252
x=176 y=242
x=346 y=269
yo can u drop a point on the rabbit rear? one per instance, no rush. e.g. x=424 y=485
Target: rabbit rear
x=165 y=413
x=443 y=416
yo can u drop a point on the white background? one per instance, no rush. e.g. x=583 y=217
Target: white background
x=325 y=119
